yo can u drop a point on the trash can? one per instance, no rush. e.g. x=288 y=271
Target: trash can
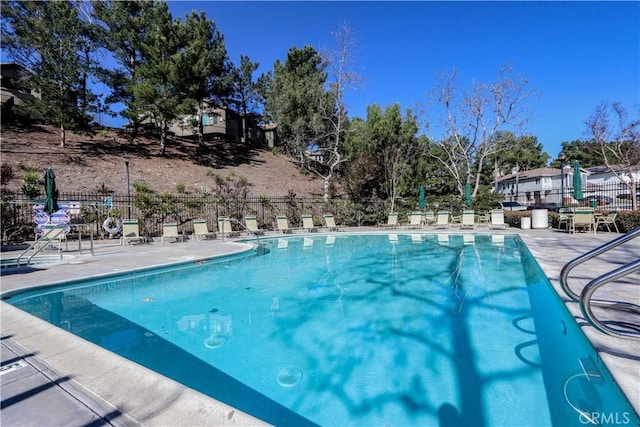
x=525 y=222
x=540 y=218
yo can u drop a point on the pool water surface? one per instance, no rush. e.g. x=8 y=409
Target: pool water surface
x=397 y=329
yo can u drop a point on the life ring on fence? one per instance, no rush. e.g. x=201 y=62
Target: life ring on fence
x=112 y=225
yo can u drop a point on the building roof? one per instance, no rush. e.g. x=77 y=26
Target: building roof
x=532 y=173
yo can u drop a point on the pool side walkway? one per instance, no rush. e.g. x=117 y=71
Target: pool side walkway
x=51 y=377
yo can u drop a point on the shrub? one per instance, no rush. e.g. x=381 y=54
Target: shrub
x=6 y=173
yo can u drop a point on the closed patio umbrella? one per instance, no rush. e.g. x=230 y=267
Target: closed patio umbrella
x=423 y=198
x=467 y=194
x=577 y=181
x=51 y=202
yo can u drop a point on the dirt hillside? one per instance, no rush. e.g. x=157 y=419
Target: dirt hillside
x=88 y=163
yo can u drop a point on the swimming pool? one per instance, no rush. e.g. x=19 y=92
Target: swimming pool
x=400 y=329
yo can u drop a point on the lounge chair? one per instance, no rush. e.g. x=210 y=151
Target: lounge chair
x=330 y=222
x=53 y=234
x=225 y=228
x=497 y=220
x=283 y=224
x=583 y=219
x=468 y=219
x=442 y=220
x=415 y=220
x=131 y=232
x=251 y=222
x=307 y=223
x=170 y=231
x=201 y=230
x=608 y=219
x=392 y=220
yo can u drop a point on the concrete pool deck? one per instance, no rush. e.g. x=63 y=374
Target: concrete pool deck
x=52 y=377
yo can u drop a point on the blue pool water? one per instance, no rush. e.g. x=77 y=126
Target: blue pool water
x=399 y=329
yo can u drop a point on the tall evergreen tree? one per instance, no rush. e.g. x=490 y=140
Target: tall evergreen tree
x=295 y=92
x=247 y=94
x=157 y=82
x=123 y=27
x=49 y=39
x=204 y=68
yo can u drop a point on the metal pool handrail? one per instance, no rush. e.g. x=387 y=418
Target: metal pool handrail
x=597 y=283
x=45 y=236
x=586 y=296
x=564 y=273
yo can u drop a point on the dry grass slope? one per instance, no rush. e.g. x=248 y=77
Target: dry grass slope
x=90 y=162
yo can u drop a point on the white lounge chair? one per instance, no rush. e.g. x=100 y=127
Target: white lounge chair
x=251 y=222
x=497 y=220
x=225 y=228
x=330 y=222
x=392 y=220
x=201 y=230
x=307 y=223
x=583 y=219
x=468 y=219
x=442 y=220
x=282 y=224
x=131 y=232
x=170 y=231
x=415 y=220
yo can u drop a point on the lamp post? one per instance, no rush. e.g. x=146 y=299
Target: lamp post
x=126 y=165
x=562 y=157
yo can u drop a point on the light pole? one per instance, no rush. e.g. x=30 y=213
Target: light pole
x=562 y=157
x=126 y=165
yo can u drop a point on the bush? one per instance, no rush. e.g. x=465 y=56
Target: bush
x=628 y=220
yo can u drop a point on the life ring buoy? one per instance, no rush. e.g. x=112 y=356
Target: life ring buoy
x=112 y=225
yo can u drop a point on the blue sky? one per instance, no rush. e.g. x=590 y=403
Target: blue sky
x=576 y=54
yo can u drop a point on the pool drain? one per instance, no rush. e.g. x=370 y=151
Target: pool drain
x=289 y=376
x=216 y=341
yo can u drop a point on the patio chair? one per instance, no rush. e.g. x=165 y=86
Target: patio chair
x=225 y=228
x=251 y=222
x=307 y=223
x=131 y=232
x=468 y=219
x=170 y=231
x=282 y=224
x=429 y=218
x=497 y=220
x=415 y=220
x=565 y=215
x=608 y=219
x=442 y=220
x=583 y=219
x=392 y=220
x=330 y=222
x=52 y=234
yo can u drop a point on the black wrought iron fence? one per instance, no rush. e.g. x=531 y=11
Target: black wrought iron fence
x=152 y=210
x=604 y=196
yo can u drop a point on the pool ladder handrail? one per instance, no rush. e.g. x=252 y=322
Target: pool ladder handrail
x=243 y=226
x=585 y=298
x=48 y=236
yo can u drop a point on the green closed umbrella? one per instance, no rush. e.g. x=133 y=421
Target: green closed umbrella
x=467 y=194
x=577 y=181
x=423 y=198
x=51 y=202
